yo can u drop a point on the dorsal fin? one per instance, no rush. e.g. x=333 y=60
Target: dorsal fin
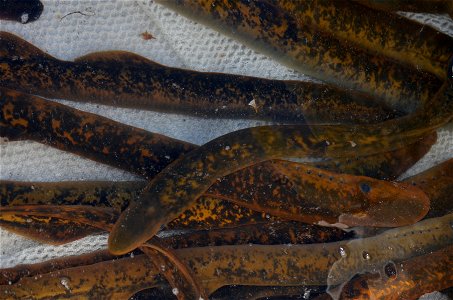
x=12 y=45
x=115 y=57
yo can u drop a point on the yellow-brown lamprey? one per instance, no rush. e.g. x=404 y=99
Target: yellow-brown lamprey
x=180 y=184
x=268 y=29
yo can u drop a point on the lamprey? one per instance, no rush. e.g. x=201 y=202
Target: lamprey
x=268 y=29
x=90 y=135
x=288 y=190
x=14 y=274
x=57 y=224
x=21 y=11
x=128 y=80
x=426 y=6
x=147 y=153
x=112 y=279
x=437 y=183
x=409 y=279
x=180 y=184
x=379 y=32
x=263 y=265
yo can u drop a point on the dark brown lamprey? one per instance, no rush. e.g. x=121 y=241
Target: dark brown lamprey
x=42 y=220
x=112 y=279
x=129 y=80
x=263 y=265
x=427 y=6
x=291 y=191
x=409 y=279
x=146 y=153
x=273 y=32
x=180 y=184
x=90 y=135
x=21 y=11
x=14 y=274
x=437 y=183
x=302 y=193
x=379 y=32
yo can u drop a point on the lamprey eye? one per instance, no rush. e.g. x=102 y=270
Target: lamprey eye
x=364 y=187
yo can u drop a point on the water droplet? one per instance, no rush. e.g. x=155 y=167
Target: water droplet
x=24 y=18
x=343 y=252
x=65 y=282
x=366 y=255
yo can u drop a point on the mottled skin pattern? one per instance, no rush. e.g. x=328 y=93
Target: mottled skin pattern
x=428 y=6
x=50 y=230
x=380 y=32
x=266 y=233
x=47 y=214
x=384 y=165
x=128 y=80
x=407 y=280
x=209 y=216
x=21 y=11
x=369 y=255
x=90 y=135
x=291 y=191
x=387 y=165
x=116 y=195
x=113 y=279
x=180 y=184
x=269 y=30
x=437 y=183
x=273 y=265
x=15 y=273
x=298 y=192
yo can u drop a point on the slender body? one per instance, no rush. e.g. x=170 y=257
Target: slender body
x=379 y=32
x=271 y=31
x=178 y=187
x=437 y=183
x=129 y=80
x=409 y=279
x=90 y=135
x=147 y=153
x=214 y=267
x=288 y=190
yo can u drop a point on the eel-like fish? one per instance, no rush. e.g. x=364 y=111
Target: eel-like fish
x=184 y=181
x=423 y=6
x=112 y=279
x=88 y=220
x=129 y=80
x=291 y=191
x=271 y=31
x=437 y=183
x=381 y=32
x=21 y=11
x=146 y=153
x=90 y=135
x=263 y=265
x=406 y=280
x=14 y=274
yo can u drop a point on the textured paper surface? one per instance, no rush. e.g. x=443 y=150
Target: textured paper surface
x=69 y=29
